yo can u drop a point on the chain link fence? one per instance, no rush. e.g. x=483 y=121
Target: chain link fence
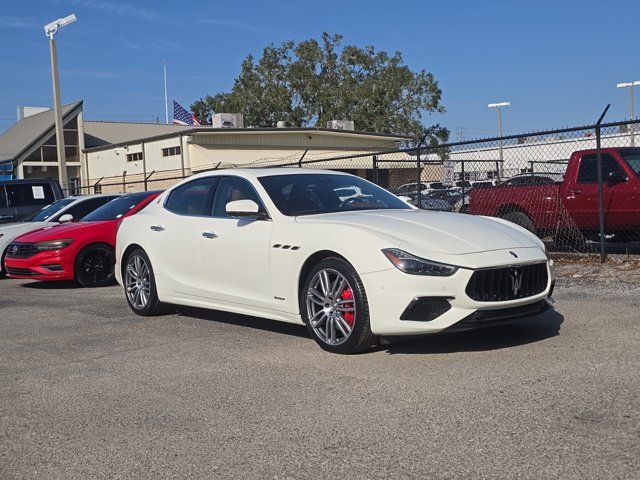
x=576 y=188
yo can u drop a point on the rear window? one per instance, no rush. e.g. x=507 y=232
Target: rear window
x=46 y=213
x=116 y=208
x=29 y=194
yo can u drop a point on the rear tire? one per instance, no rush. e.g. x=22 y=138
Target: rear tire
x=94 y=266
x=521 y=219
x=3 y=272
x=333 y=304
x=140 y=285
x=570 y=239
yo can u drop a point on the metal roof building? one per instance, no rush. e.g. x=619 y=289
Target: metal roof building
x=106 y=152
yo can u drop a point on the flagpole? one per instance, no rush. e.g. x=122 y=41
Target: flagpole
x=166 y=101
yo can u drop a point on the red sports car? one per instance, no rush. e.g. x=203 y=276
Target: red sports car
x=81 y=251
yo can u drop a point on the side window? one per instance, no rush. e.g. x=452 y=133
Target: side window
x=3 y=197
x=191 y=198
x=85 y=207
x=588 y=171
x=29 y=194
x=230 y=189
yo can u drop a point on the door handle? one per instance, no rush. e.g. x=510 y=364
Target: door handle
x=209 y=234
x=157 y=228
x=575 y=192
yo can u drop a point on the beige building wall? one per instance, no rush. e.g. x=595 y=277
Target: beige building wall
x=201 y=152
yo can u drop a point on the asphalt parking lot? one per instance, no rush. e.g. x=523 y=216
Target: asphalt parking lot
x=89 y=390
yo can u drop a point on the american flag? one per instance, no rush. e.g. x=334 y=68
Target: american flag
x=183 y=117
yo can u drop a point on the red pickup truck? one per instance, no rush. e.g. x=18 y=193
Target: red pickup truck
x=568 y=210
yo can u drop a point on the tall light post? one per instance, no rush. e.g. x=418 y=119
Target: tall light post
x=498 y=106
x=50 y=30
x=630 y=86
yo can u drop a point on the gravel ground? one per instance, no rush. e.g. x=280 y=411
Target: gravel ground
x=88 y=390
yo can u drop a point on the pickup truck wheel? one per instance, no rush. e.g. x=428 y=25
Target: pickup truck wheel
x=520 y=219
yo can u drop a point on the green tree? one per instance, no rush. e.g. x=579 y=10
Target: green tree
x=308 y=83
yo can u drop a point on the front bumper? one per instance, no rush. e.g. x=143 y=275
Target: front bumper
x=45 y=266
x=390 y=292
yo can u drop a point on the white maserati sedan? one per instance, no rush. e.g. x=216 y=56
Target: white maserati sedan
x=287 y=244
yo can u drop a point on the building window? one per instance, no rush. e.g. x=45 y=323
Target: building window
x=134 y=157
x=169 y=152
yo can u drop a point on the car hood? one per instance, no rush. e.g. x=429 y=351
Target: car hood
x=56 y=232
x=19 y=228
x=441 y=232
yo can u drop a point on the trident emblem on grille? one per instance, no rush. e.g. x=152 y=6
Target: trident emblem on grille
x=516 y=280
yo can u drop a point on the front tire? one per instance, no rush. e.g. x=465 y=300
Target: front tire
x=140 y=285
x=334 y=307
x=521 y=219
x=94 y=266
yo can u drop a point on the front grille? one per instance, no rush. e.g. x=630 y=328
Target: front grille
x=425 y=309
x=507 y=283
x=24 y=272
x=21 y=250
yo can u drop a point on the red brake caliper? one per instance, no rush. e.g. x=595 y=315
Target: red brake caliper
x=347 y=294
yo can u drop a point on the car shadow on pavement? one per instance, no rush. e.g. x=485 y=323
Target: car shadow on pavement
x=244 y=321
x=64 y=285
x=505 y=336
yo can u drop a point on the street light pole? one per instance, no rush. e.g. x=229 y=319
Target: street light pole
x=498 y=106
x=50 y=31
x=630 y=86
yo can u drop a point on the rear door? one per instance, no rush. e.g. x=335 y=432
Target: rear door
x=26 y=198
x=177 y=234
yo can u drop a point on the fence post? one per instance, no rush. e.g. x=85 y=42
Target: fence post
x=603 y=252
x=463 y=181
x=418 y=179
x=302 y=158
x=146 y=179
x=375 y=170
x=124 y=181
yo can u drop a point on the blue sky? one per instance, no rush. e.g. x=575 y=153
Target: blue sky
x=557 y=61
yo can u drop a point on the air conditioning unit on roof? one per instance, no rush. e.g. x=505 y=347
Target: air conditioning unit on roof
x=227 y=120
x=341 y=125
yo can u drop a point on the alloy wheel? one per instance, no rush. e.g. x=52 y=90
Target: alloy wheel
x=97 y=266
x=331 y=308
x=137 y=282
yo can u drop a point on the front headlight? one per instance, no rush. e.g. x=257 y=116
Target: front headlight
x=417 y=266
x=53 y=245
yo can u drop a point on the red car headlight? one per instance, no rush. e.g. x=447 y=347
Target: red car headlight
x=53 y=245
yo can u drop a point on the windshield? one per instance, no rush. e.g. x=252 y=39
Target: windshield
x=48 y=211
x=116 y=208
x=314 y=193
x=632 y=156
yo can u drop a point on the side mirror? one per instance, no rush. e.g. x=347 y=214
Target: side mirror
x=66 y=218
x=617 y=176
x=244 y=209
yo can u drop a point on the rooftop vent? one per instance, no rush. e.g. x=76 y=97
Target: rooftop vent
x=340 y=125
x=227 y=120
x=24 y=112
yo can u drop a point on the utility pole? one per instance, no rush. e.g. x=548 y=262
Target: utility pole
x=498 y=106
x=50 y=30
x=632 y=117
x=166 y=101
